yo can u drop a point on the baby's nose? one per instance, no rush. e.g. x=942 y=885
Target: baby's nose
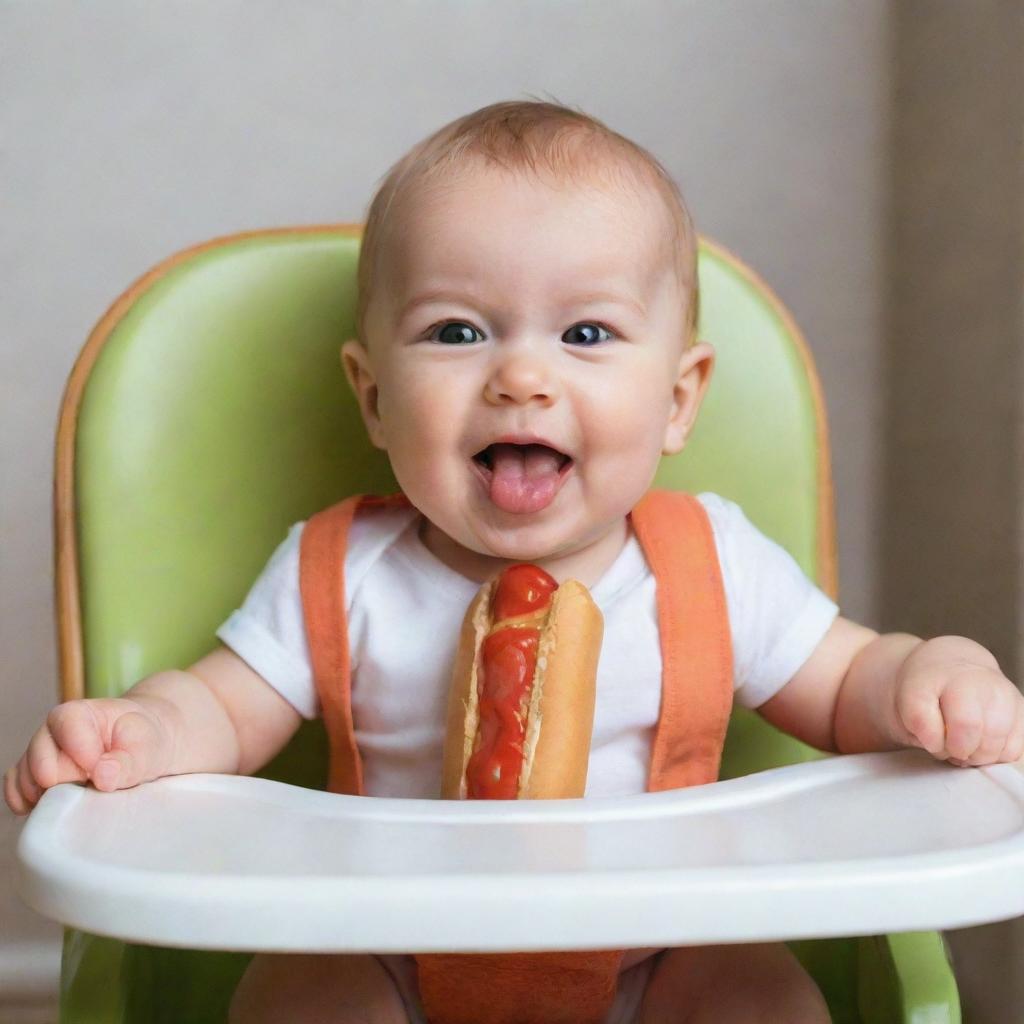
x=521 y=377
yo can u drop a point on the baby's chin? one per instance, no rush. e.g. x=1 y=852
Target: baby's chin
x=484 y=543
x=536 y=543
x=526 y=545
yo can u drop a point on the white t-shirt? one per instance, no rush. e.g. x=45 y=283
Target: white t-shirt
x=405 y=609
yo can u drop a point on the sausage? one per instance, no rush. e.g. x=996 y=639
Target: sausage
x=521 y=704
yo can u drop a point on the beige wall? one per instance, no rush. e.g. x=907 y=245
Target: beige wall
x=952 y=468
x=134 y=131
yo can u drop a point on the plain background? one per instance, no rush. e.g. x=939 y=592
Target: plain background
x=864 y=156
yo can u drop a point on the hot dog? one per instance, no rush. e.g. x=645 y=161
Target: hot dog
x=521 y=704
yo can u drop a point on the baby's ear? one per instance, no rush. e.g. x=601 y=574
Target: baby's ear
x=693 y=378
x=356 y=362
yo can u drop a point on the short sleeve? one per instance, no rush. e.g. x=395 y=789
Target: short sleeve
x=269 y=632
x=777 y=616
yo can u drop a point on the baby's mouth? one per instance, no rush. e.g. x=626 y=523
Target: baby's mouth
x=522 y=478
x=528 y=452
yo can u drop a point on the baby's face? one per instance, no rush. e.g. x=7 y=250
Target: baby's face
x=527 y=364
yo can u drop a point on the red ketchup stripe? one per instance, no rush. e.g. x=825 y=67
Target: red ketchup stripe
x=508 y=660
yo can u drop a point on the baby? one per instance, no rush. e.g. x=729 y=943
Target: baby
x=526 y=354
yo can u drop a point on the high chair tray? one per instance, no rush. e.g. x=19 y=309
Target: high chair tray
x=851 y=845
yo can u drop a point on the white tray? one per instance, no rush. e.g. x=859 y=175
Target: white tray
x=853 y=845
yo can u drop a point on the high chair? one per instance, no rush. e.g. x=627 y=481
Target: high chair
x=208 y=411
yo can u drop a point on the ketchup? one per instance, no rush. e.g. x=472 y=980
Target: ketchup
x=508 y=661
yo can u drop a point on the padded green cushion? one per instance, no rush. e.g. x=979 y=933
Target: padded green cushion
x=218 y=414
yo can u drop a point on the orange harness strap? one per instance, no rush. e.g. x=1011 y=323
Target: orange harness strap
x=696 y=645
x=518 y=988
x=322 y=586
x=697 y=689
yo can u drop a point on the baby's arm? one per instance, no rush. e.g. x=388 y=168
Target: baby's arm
x=217 y=716
x=862 y=691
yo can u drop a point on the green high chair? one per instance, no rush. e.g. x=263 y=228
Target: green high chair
x=208 y=411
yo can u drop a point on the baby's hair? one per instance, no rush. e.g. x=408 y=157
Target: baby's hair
x=532 y=136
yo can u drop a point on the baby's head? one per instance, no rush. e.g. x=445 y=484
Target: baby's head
x=526 y=324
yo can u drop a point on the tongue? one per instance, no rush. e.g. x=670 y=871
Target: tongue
x=523 y=478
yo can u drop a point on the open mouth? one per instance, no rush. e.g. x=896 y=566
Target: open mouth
x=486 y=457
x=522 y=478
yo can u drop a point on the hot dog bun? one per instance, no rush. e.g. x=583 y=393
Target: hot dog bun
x=560 y=720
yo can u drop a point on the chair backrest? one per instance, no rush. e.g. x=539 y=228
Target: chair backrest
x=208 y=411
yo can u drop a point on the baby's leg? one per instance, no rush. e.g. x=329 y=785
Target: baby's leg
x=307 y=988
x=748 y=984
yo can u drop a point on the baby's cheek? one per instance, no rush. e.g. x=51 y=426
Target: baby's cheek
x=629 y=430
x=409 y=417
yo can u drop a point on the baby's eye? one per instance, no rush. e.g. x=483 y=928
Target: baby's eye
x=585 y=334
x=452 y=332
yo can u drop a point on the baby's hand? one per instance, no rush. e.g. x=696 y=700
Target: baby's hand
x=953 y=701
x=113 y=742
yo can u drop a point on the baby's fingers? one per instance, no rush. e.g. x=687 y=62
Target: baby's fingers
x=27 y=785
x=47 y=764
x=919 y=712
x=965 y=716
x=43 y=765
x=15 y=798
x=1014 y=748
x=77 y=729
x=129 y=759
x=1000 y=713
